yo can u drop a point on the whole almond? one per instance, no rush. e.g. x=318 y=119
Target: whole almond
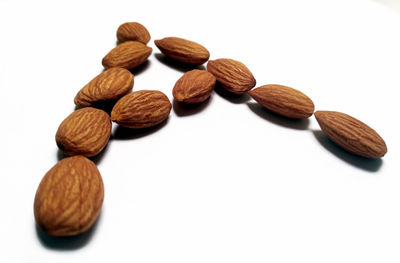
x=194 y=86
x=133 y=31
x=141 y=109
x=351 y=134
x=69 y=197
x=84 y=132
x=108 y=85
x=183 y=50
x=232 y=75
x=128 y=55
x=284 y=101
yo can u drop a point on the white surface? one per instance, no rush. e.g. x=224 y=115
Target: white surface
x=223 y=184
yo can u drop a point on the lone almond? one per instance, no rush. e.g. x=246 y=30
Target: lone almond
x=128 y=55
x=133 y=31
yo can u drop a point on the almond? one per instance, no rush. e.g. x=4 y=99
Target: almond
x=351 y=134
x=183 y=50
x=284 y=101
x=141 y=109
x=69 y=197
x=84 y=132
x=129 y=54
x=194 y=86
x=133 y=31
x=232 y=75
x=108 y=85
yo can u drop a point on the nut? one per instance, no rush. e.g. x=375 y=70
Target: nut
x=141 y=109
x=69 y=197
x=108 y=85
x=84 y=132
x=351 y=134
x=128 y=55
x=194 y=86
x=133 y=31
x=284 y=101
x=183 y=50
x=232 y=75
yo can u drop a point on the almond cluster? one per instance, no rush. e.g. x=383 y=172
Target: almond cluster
x=70 y=195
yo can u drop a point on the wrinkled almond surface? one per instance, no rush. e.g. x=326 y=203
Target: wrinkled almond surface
x=232 y=75
x=133 y=31
x=183 y=50
x=141 y=109
x=351 y=134
x=284 y=101
x=84 y=132
x=69 y=197
x=194 y=86
x=108 y=85
x=129 y=54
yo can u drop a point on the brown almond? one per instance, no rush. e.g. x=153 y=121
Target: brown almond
x=69 y=197
x=232 y=75
x=107 y=86
x=351 y=134
x=194 y=86
x=128 y=55
x=183 y=50
x=141 y=109
x=84 y=132
x=133 y=31
x=284 y=101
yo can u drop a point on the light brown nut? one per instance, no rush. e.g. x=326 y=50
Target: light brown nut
x=69 y=197
x=194 y=86
x=141 y=109
x=84 y=132
x=232 y=75
x=133 y=31
x=107 y=86
x=183 y=50
x=284 y=101
x=351 y=134
x=128 y=55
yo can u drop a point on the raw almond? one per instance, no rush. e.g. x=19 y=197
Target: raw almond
x=84 y=132
x=129 y=55
x=108 y=85
x=351 y=134
x=69 y=197
x=141 y=109
x=183 y=50
x=194 y=86
x=284 y=101
x=133 y=31
x=232 y=75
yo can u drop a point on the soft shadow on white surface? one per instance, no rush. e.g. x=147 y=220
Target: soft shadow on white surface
x=176 y=65
x=394 y=4
x=141 y=68
x=231 y=97
x=182 y=109
x=267 y=115
x=66 y=243
x=122 y=133
x=371 y=165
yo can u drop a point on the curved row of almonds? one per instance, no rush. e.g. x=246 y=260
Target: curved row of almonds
x=70 y=195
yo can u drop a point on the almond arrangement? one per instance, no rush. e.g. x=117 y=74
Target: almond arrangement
x=70 y=196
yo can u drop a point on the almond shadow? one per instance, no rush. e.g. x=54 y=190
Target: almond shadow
x=122 y=133
x=182 y=109
x=229 y=96
x=176 y=65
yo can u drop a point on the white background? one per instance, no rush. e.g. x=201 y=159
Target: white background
x=224 y=182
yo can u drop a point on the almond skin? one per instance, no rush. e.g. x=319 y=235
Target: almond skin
x=69 y=197
x=284 y=101
x=194 y=86
x=232 y=75
x=128 y=55
x=108 y=85
x=183 y=50
x=133 y=31
x=84 y=132
x=141 y=109
x=351 y=134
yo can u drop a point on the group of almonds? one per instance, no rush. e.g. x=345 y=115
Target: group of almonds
x=69 y=197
